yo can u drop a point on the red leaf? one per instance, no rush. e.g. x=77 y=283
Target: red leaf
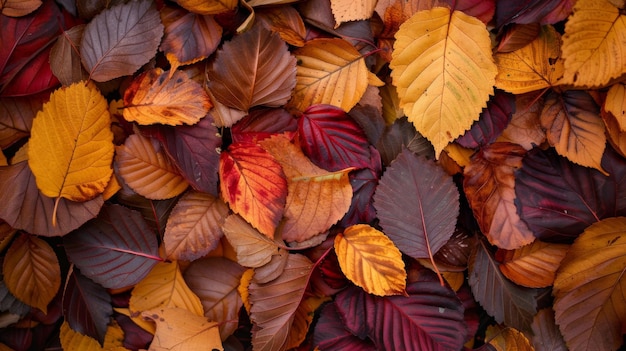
x=332 y=139
x=86 y=306
x=261 y=123
x=493 y=120
x=481 y=9
x=532 y=11
x=330 y=334
x=429 y=318
x=115 y=250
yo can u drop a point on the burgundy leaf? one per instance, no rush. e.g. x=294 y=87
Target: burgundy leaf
x=493 y=120
x=331 y=272
x=364 y=182
x=155 y=212
x=481 y=9
x=86 y=306
x=370 y=119
x=559 y=199
x=332 y=139
x=517 y=36
x=261 y=123
x=331 y=335
x=135 y=337
x=115 y=250
x=532 y=11
x=399 y=135
x=429 y=318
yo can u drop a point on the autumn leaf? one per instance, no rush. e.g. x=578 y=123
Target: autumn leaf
x=505 y=339
x=533 y=265
x=210 y=7
x=286 y=21
x=370 y=260
x=444 y=72
x=591 y=277
x=72 y=340
x=253 y=248
x=65 y=58
x=104 y=47
x=517 y=36
x=492 y=122
x=525 y=127
x=615 y=103
x=178 y=329
x=529 y=11
x=18 y=8
x=78 y=115
x=345 y=11
x=331 y=334
x=170 y=98
x=546 y=334
x=16 y=118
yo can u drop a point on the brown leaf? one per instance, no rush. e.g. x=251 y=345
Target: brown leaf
x=546 y=334
x=533 y=265
x=253 y=248
x=208 y=7
x=525 y=128
x=180 y=330
x=286 y=21
x=65 y=57
x=16 y=118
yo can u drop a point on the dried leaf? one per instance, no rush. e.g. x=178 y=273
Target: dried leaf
x=16 y=118
x=72 y=340
x=615 y=103
x=444 y=72
x=107 y=40
x=345 y=10
x=208 y=7
x=65 y=57
x=253 y=248
x=171 y=98
x=370 y=260
x=533 y=265
x=507 y=339
x=546 y=334
x=285 y=20
x=178 y=329
x=525 y=126
x=18 y=8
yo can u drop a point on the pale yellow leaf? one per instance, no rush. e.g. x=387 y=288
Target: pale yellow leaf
x=352 y=10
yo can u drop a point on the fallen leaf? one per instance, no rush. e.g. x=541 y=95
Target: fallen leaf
x=331 y=334
x=178 y=329
x=507 y=339
x=253 y=248
x=18 y=8
x=615 y=103
x=525 y=126
x=72 y=340
x=344 y=10
x=65 y=57
x=210 y=7
x=491 y=123
x=303 y=319
x=546 y=334
x=16 y=118
x=533 y=265
x=286 y=21
x=517 y=36
x=529 y=11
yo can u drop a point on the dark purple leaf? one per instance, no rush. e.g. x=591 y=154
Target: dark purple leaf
x=517 y=36
x=481 y=9
x=399 y=135
x=559 y=199
x=364 y=182
x=531 y=11
x=331 y=335
x=115 y=250
x=261 y=123
x=155 y=212
x=332 y=139
x=86 y=306
x=429 y=318
x=135 y=337
x=370 y=119
x=493 y=120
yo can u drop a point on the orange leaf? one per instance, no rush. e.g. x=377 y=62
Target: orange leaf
x=316 y=198
x=253 y=248
x=533 y=265
x=286 y=21
x=144 y=166
x=371 y=260
x=615 y=103
x=252 y=182
x=302 y=320
x=180 y=330
x=208 y=7
x=525 y=128
x=616 y=136
x=507 y=339
x=19 y=8
x=170 y=98
x=31 y=271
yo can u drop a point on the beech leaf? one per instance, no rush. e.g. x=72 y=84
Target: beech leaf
x=370 y=260
x=241 y=85
x=546 y=334
x=178 y=329
x=31 y=271
x=591 y=278
x=253 y=248
x=115 y=250
x=65 y=57
x=345 y=11
x=331 y=334
x=524 y=127
x=444 y=72
x=492 y=122
x=210 y=7
x=106 y=40
x=171 y=98
x=72 y=340
x=505 y=339
x=533 y=265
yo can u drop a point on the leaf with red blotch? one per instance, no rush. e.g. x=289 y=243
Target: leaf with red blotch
x=25 y=47
x=492 y=121
x=115 y=250
x=481 y=9
x=332 y=139
x=261 y=123
x=330 y=334
x=417 y=204
x=28 y=209
x=16 y=118
x=252 y=182
x=86 y=306
x=429 y=318
x=559 y=199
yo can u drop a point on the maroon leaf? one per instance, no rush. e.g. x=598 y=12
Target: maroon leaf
x=331 y=272
x=429 y=318
x=330 y=334
x=16 y=118
x=493 y=120
x=532 y=11
x=115 y=250
x=135 y=337
x=402 y=134
x=261 y=123
x=364 y=182
x=481 y=9
x=155 y=212
x=86 y=306
x=417 y=205
x=559 y=199
x=517 y=36
x=332 y=139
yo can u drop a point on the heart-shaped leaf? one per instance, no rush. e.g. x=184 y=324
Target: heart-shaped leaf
x=115 y=250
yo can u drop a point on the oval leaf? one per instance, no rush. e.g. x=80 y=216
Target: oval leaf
x=119 y=40
x=370 y=260
x=533 y=265
x=65 y=59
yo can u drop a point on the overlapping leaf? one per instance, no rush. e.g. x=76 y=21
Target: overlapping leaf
x=504 y=339
x=65 y=58
x=492 y=122
x=241 y=85
x=262 y=123
x=171 y=98
x=252 y=182
x=178 y=329
x=253 y=248
x=401 y=134
x=331 y=334
x=116 y=250
x=517 y=36
x=533 y=265
x=525 y=126
x=73 y=340
x=444 y=72
x=106 y=40
x=285 y=20
x=18 y=8
x=345 y=11
x=591 y=278
x=529 y=11
x=16 y=118
x=615 y=103
x=546 y=334
x=204 y=7
x=615 y=136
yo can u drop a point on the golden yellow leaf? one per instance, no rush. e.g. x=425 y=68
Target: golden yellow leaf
x=454 y=279
x=111 y=189
x=329 y=71
x=349 y=10
x=4 y=347
x=593 y=44
x=533 y=265
x=302 y=320
x=246 y=278
x=371 y=260
x=208 y=7
x=72 y=340
x=444 y=72
x=535 y=66
x=616 y=104
x=31 y=271
x=18 y=8
x=170 y=98
x=616 y=136
x=71 y=144
x=144 y=166
x=178 y=329
x=507 y=339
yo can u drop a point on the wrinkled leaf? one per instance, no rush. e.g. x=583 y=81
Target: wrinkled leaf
x=262 y=123
x=178 y=329
x=533 y=265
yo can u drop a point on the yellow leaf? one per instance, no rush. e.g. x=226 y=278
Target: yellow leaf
x=593 y=44
x=72 y=340
x=170 y=98
x=71 y=144
x=444 y=72
x=208 y=7
x=371 y=260
x=535 y=66
x=329 y=71
x=111 y=189
x=144 y=166
x=246 y=278
x=180 y=330
x=164 y=286
x=351 y=10
x=31 y=271
x=616 y=104
x=454 y=279
x=302 y=320
x=507 y=339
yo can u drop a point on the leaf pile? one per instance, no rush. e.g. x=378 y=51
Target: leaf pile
x=313 y=175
